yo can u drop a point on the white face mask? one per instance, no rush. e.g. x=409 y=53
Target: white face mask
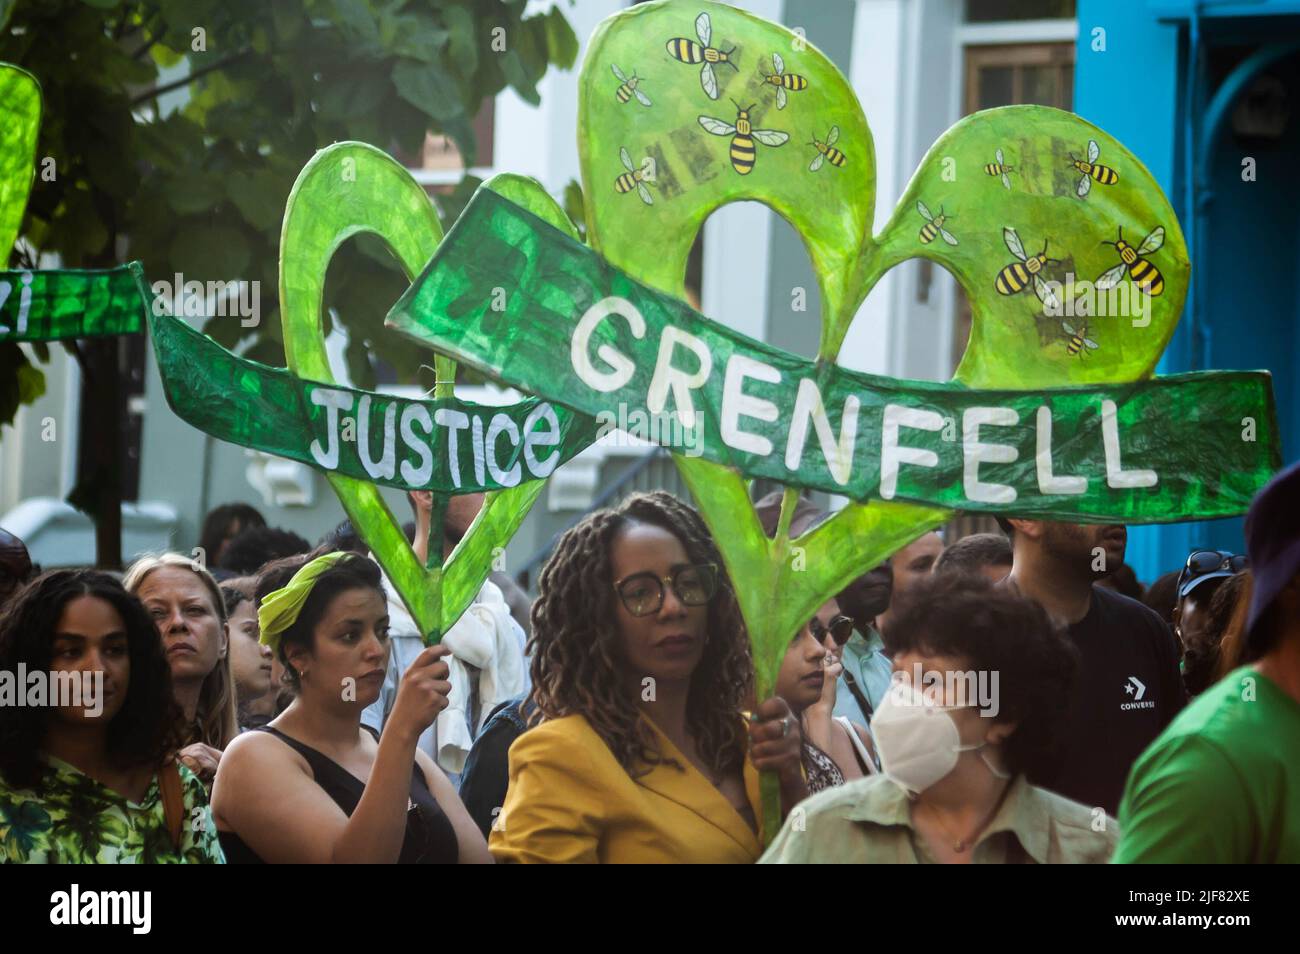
x=917 y=740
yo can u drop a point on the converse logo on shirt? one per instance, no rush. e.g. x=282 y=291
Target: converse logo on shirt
x=1135 y=689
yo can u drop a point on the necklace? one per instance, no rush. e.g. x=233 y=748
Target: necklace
x=960 y=844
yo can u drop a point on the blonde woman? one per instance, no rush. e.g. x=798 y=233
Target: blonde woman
x=184 y=602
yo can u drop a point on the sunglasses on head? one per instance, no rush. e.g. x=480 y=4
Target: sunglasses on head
x=643 y=593
x=1201 y=562
x=839 y=629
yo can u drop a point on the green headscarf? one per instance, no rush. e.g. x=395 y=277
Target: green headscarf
x=280 y=609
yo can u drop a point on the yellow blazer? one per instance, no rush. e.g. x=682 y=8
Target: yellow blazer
x=571 y=801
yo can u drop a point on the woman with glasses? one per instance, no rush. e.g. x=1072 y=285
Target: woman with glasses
x=834 y=749
x=640 y=751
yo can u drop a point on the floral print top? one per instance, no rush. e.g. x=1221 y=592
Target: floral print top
x=76 y=820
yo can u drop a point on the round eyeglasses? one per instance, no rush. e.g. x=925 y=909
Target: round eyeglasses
x=643 y=593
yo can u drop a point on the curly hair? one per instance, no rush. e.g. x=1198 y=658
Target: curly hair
x=143 y=732
x=578 y=656
x=991 y=629
x=216 y=722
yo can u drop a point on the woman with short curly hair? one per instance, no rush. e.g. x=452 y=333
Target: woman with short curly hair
x=982 y=690
x=641 y=669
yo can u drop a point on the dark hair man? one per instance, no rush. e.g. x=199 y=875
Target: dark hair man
x=984 y=554
x=1129 y=687
x=910 y=565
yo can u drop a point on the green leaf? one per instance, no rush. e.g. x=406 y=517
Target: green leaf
x=414 y=35
x=288 y=20
x=516 y=74
x=20 y=383
x=196 y=192
x=165 y=56
x=79 y=231
x=345 y=96
x=575 y=206
x=218 y=253
x=428 y=87
x=356 y=20
x=462 y=48
x=259 y=195
x=561 y=41
x=461 y=131
x=31 y=384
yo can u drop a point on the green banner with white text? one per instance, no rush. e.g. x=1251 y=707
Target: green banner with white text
x=83 y=303
x=444 y=445
x=511 y=295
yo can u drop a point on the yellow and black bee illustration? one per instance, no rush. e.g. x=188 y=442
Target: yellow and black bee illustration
x=743 y=136
x=628 y=87
x=1091 y=170
x=783 y=81
x=1145 y=275
x=1078 y=343
x=688 y=51
x=1000 y=168
x=636 y=178
x=826 y=151
x=1017 y=276
x=934 y=225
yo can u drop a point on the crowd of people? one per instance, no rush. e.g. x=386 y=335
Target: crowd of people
x=1013 y=697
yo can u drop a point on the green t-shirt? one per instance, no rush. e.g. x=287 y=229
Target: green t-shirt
x=1222 y=783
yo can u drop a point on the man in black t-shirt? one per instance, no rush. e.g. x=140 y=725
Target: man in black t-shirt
x=1129 y=686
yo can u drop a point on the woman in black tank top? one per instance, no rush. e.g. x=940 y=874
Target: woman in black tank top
x=361 y=797
x=429 y=839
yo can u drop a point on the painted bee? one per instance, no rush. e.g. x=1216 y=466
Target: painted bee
x=1103 y=174
x=688 y=51
x=1016 y=276
x=1145 y=275
x=636 y=178
x=628 y=87
x=783 y=81
x=1078 y=340
x=934 y=225
x=743 y=136
x=826 y=151
x=1000 y=168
